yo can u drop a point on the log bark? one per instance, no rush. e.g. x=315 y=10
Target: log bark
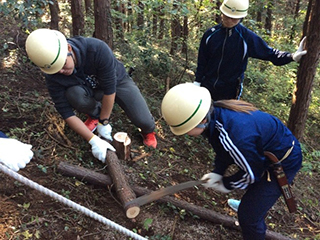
x=122 y=187
x=103 y=180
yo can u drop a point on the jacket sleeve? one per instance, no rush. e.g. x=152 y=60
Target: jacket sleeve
x=258 y=48
x=57 y=94
x=202 y=59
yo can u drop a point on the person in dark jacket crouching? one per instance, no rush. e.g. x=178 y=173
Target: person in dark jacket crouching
x=83 y=74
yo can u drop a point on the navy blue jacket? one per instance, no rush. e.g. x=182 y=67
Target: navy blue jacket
x=241 y=139
x=94 y=59
x=2 y=135
x=223 y=57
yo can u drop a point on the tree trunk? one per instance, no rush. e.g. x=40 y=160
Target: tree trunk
x=88 y=5
x=103 y=22
x=130 y=20
x=155 y=21
x=306 y=72
x=140 y=19
x=185 y=35
x=77 y=17
x=268 y=21
x=218 y=16
x=54 y=13
x=119 y=22
x=161 y=24
x=175 y=30
x=295 y=17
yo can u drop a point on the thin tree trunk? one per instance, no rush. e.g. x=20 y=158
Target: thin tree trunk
x=140 y=19
x=88 y=5
x=306 y=72
x=77 y=17
x=161 y=24
x=54 y=13
x=103 y=22
x=268 y=22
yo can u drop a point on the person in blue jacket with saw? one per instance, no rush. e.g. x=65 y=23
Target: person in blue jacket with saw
x=224 y=51
x=240 y=135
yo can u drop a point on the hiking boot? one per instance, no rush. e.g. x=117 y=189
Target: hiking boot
x=149 y=139
x=234 y=204
x=91 y=123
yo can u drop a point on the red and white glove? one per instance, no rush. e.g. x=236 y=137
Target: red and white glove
x=100 y=147
x=15 y=154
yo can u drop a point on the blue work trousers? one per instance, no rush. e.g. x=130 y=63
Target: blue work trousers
x=261 y=196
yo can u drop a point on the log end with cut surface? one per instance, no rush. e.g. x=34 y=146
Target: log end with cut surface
x=132 y=211
x=122 y=144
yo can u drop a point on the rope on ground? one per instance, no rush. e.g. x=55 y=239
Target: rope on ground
x=69 y=203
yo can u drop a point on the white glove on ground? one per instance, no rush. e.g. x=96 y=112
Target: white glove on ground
x=196 y=83
x=105 y=131
x=100 y=147
x=300 y=52
x=211 y=178
x=15 y=154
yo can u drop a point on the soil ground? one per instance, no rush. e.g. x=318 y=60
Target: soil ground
x=27 y=114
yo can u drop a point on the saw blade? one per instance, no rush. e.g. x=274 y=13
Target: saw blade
x=155 y=195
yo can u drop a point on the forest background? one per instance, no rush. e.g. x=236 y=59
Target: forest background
x=158 y=42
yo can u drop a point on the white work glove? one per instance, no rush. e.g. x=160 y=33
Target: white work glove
x=15 y=154
x=214 y=181
x=300 y=52
x=219 y=186
x=196 y=83
x=105 y=131
x=210 y=178
x=100 y=147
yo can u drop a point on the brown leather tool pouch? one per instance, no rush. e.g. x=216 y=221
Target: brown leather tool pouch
x=283 y=182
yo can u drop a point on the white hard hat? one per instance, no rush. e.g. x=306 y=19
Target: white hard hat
x=47 y=49
x=184 y=106
x=235 y=8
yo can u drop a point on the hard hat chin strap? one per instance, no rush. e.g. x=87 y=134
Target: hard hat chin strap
x=208 y=118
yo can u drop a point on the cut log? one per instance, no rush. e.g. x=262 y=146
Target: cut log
x=122 y=187
x=103 y=180
x=122 y=144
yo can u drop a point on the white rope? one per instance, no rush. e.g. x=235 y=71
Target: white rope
x=69 y=203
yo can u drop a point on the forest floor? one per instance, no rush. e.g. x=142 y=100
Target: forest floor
x=27 y=114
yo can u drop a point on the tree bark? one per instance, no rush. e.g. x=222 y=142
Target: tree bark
x=162 y=23
x=88 y=5
x=77 y=17
x=119 y=23
x=140 y=18
x=102 y=180
x=268 y=21
x=54 y=13
x=306 y=72
x=175 y=30
x=103 y=22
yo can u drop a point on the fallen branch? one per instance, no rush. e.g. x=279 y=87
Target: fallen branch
x=102 y=180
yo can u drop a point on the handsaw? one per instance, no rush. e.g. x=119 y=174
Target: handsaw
x=155 y=195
